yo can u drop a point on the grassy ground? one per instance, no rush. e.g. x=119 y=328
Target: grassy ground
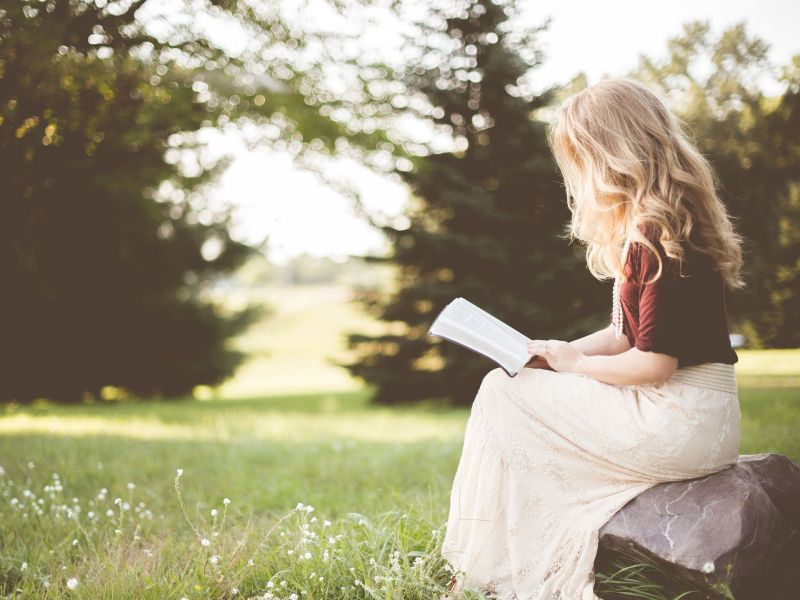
x=316 y=495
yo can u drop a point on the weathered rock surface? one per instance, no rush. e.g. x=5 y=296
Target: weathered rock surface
x=743 y=522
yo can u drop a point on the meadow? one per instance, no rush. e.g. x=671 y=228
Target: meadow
x=312 y=494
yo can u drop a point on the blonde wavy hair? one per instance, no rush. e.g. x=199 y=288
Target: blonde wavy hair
x=629 y=167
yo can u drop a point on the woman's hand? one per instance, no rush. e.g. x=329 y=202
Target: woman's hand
x=560 y=355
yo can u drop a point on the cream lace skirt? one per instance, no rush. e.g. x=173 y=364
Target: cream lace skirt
x=549 y=457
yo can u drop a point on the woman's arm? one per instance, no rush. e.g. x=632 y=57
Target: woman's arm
x=601 y=342
x=631 y=367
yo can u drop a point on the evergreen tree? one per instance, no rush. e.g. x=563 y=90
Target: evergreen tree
x=487 y=221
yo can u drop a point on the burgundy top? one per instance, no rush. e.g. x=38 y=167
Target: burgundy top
x=685 y=316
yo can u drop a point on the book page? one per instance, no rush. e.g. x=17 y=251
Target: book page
x=471 y=317
x=463 y=322
x=466 y=335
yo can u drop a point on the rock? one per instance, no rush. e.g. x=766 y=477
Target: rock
x=737 y=529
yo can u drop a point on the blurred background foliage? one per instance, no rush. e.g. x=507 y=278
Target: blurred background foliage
x=110 y=244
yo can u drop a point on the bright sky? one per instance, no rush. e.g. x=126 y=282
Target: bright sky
x=275 y=199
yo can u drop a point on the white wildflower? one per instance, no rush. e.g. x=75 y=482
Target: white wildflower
x=179 y=472
x=214 y=512
x=226 y=501
x=72 y=583
x=708 y=567
x=205 y=542
x=131 y=485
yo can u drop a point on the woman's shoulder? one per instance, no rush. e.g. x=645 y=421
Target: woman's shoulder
x=646 y=259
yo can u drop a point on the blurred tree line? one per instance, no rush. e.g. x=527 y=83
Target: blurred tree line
x=107 y=240
x=485 y=219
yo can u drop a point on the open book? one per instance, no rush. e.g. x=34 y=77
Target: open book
x=466 y=324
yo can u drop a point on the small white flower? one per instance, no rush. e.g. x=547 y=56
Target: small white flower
x=708 y=567
x=293 y=596
x=214 y=559
x=214 y=512
x=300 y=506
x=205 y=542
x=179 y=472
x=74 y=542
x=234 y=591
x=307 y=555
x=23 y=566
x=72 y=583
x=326 y=523
x=109 y=513
x=131 y=485
x=226 y=501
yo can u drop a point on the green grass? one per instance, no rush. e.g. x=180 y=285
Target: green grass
x=380 y=476
x=393 y=467
x=292 y=350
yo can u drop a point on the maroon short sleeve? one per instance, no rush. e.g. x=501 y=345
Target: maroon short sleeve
x=659 y=308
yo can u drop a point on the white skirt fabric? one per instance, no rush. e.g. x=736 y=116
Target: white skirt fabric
x=549 y=457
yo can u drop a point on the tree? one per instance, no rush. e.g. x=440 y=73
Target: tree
x=487 y=219
x=107 y=242
x=753 y=143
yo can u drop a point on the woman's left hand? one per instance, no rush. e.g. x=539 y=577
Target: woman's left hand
x=560 y=355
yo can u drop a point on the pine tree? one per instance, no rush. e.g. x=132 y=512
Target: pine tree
x=487 y=222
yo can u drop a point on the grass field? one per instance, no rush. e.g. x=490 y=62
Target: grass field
x=313 y=495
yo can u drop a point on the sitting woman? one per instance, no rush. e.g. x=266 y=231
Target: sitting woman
x=550 y=455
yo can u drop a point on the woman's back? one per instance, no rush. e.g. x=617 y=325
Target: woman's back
x=683 y=316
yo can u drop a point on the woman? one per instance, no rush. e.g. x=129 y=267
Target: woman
x=550 y=455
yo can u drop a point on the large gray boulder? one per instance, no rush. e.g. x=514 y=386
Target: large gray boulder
x=738 y=529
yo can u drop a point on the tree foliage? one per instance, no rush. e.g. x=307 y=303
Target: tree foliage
x=107 y=239
x=753 y=141
x=487 y=219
